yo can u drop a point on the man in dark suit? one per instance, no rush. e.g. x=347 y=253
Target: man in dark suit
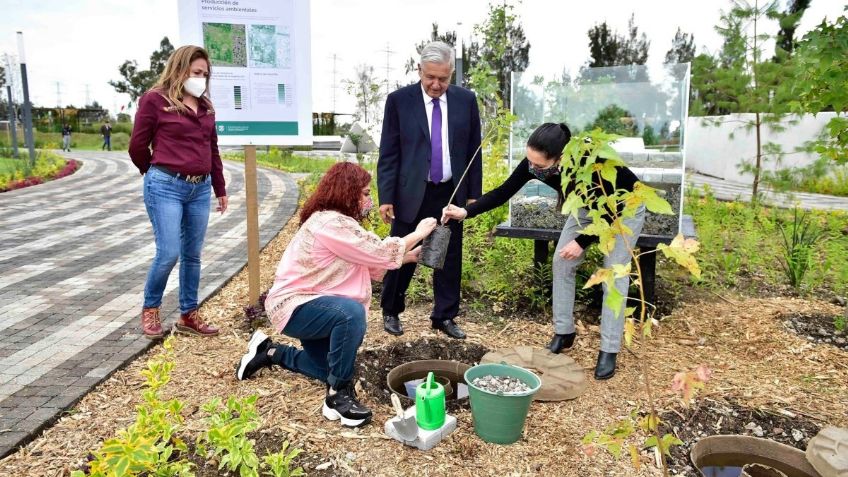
x=431 y=131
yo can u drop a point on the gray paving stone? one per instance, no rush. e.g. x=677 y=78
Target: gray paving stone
x=71 y=281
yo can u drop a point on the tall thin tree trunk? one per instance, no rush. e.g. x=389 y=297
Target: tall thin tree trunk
x=757 y=123
x=759 y=159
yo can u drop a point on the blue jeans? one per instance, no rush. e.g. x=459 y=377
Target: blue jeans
x=107 y=143
x=179 y=212
x=330 y=329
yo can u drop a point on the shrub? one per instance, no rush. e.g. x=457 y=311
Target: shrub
x=799 y=240
x=48 y=166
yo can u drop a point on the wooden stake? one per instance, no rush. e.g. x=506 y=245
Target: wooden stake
x=252 y=223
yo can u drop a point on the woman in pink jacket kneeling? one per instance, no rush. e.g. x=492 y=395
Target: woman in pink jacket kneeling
x=322 y=289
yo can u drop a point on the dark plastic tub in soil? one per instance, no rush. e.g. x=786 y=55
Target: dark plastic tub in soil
x=374 y=365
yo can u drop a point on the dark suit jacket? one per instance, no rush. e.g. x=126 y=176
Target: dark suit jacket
x=404 y=162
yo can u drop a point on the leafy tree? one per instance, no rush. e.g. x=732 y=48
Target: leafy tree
x=820 y=83
x=789 y=20
x=609 y=48
x=502 y=46
x=746 y=83
x=604 y=45
x=702 y=90
x=136 y=81
x=649 y=137
x=682 y=48
x=2 y=76
x=366 y=90
x=615 y=120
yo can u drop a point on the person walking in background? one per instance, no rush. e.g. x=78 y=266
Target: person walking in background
x=106 y=132
x=431 y=131
x=177 y=120
x=322 y=289
x=66 y=137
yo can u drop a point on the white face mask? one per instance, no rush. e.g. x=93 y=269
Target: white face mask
x=195 y=86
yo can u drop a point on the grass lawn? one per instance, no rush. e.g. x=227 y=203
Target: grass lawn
x=284 y=160
x=85 y=141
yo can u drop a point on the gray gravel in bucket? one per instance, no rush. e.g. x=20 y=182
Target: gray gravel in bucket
x=501 y=384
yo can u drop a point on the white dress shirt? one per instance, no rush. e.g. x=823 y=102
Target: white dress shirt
x=443 y=104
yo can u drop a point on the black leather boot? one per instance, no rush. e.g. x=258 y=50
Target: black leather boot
x=561 y=342
x=605 y=368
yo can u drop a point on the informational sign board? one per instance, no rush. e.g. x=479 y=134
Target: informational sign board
x=261 y=73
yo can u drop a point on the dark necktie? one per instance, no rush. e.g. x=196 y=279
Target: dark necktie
x=436 y=143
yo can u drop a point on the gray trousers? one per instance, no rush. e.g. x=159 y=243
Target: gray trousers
x=66 y=142
x=564 y=280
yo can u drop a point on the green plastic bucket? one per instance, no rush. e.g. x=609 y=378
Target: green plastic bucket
x=499 y=418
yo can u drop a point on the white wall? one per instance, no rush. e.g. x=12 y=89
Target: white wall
x=710 y=149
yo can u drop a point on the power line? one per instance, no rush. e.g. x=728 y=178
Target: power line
x=335 y=86
x=389 y=52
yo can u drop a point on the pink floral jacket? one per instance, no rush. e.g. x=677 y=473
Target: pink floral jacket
x=331 y=255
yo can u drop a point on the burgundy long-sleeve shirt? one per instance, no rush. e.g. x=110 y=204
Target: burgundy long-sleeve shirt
x=186 y=143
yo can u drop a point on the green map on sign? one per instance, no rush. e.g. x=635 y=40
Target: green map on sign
x=225 y=43
x=270 y=46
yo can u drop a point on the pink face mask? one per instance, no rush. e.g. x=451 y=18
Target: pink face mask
x=367 y=205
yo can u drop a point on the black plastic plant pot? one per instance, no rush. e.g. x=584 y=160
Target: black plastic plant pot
x=748 y=456
x=435 y=248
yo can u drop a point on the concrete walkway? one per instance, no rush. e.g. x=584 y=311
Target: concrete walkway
x=74 y=255
x=727 y=190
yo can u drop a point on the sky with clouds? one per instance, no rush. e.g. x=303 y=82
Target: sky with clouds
x=76 y=46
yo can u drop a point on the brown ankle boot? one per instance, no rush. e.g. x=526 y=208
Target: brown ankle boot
x=192 y=323
x=151 y=324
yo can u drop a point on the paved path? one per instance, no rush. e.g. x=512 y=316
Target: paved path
x=74 y=255
x=727 y=190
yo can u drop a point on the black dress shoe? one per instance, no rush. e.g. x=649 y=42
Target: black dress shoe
x=391 y=323
x=561 y=342
x=450 y=328
x=605 y=368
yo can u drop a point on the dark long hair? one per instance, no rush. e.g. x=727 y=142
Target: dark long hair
x=550 y=139
x=339 y=190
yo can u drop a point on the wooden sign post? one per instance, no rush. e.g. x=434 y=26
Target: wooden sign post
x=252 y=223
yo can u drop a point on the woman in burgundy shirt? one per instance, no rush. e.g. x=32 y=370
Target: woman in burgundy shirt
x=176 y=120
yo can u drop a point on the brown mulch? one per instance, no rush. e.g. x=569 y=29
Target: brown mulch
x=710 y=417
x=756 y=362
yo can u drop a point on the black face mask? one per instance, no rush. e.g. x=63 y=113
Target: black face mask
x=545 y=174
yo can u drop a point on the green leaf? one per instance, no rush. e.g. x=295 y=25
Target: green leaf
x=652 y=201
x=614 y=300
x=621 y=271
x=629 y=331
x=609 y=171
x=614 y=449
x=572 y=204
x=590 y=437
x=601 y=275
x=634 y=456
x=681 y=250
x=650 y=442
x=121 y=466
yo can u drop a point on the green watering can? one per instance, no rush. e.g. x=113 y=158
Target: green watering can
x=430 y=404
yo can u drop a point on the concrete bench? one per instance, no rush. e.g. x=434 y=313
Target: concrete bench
x=646 y=242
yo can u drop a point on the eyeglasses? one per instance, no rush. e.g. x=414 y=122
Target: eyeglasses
x=534 y=166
